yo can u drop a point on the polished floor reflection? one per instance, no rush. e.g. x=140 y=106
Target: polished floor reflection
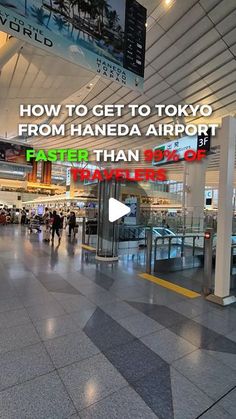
x=82 y=339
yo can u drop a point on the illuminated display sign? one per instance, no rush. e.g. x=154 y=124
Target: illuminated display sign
x=174 y=151
x=107 y=37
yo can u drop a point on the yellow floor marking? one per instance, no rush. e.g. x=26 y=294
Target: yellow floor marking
x=86 y=247
x=170 y=286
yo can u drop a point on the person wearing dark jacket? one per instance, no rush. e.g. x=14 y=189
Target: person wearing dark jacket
x=56 y=224
x=72 y=223
x=62 y=220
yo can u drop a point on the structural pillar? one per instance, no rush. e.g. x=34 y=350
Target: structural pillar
x=72 y=188
x=46 y=175
x=32 y=176
x=227 y=136
x=107 y=232
x=195 y=192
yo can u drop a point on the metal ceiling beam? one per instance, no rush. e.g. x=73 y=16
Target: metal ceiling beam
x=9 y=49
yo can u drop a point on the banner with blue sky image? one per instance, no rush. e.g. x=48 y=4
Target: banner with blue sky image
x=105 y=36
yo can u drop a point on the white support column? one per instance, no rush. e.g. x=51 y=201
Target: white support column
x=227 y=136
x=195 y=194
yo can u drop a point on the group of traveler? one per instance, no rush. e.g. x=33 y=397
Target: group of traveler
x=54 y=224
x=5 y=216
x=9 y=216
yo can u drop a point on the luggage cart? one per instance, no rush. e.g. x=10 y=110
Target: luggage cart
x=34 y=225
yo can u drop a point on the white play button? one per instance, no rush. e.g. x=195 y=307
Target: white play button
x=117 y=210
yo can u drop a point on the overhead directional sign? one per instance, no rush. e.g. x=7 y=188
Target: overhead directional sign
x=204 y=141
x=181 y=145
x=107 y=38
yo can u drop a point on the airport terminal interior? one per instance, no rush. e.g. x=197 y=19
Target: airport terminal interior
x=118 y=297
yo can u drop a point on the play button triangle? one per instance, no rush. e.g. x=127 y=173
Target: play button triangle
x=117 y=210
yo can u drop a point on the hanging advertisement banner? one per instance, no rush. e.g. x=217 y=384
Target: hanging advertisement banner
x=13 y=153
x=104 y=36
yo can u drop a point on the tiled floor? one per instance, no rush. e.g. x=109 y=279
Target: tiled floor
x=86 y=340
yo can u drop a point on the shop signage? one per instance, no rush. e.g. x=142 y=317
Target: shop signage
x=106 y=37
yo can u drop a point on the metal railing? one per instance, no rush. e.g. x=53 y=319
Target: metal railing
x=129 y=233
x=89 y=228
x=182 y=239
x=169 y=239
x=179 y=223
x=208 y=250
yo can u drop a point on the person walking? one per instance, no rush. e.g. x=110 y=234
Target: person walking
x=46 y=219
x=62 y=220
x=72 y=223
x=23 y=216
x=62 y=223
x=56 y=224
